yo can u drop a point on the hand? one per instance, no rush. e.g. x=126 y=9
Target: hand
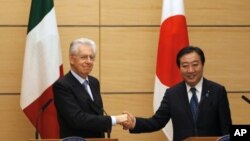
x=130 y=123
x=121 y=118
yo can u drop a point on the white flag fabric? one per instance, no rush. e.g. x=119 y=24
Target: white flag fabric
x=173 y=36
x=42 y=67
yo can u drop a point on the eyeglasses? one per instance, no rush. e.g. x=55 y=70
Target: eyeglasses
x=86 y=57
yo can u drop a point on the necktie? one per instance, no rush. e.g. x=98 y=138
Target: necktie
x=86 y=85
x=194 y=104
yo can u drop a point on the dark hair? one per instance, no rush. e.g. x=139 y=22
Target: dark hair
x=187 y=50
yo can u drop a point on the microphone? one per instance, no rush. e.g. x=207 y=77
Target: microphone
x=44 y=106
x=246 y=99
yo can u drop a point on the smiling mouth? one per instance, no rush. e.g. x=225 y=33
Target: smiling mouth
x=87 y=68
x=191 y=76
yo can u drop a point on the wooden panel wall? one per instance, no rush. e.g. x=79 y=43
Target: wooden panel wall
x=126 y=32
x=128 y=59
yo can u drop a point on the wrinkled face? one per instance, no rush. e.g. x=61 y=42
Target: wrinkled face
x=82 y=61
x=191 y=68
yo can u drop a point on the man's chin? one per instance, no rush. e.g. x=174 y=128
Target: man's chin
x=190 y=82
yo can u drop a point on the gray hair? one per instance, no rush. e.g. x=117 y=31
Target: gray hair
x=81 y=41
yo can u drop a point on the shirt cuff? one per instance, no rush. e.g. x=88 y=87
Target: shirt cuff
x=113 y=119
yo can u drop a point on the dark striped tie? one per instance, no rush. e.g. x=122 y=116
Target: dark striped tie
x=194 y=104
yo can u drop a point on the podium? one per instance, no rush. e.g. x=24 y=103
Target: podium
x=90 y=139
x=202 y=139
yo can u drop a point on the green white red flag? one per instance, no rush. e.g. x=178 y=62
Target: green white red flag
x=42 y=67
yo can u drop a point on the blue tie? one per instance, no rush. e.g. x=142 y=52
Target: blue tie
x=85 y=84
x=194 y=104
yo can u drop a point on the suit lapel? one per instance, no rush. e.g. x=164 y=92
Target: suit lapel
x=205 y=92
x=78 y=88
x=81 y=93
x=205 y=95
x=95 y=93
x=185 y=101
x=97 y=103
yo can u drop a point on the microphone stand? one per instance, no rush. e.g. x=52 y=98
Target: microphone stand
x=44 y=106
x=105 y=113
x=108 y=132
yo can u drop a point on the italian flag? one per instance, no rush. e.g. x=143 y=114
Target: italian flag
x=173 y=37
x=42 y=67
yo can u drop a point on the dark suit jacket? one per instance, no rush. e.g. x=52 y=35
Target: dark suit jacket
x=214 y=116
x=78 y=115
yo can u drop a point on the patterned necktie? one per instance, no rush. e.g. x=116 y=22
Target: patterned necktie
x=194 y=104
x=85 y=84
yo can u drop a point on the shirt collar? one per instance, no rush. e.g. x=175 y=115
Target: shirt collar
x=78 y=77
x=198 y=86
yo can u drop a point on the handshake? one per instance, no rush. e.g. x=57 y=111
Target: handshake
x=126 y=120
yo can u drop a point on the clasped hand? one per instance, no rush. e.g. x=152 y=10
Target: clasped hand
x=126 y=120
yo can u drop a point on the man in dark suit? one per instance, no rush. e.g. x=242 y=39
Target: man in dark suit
x=203 y=112
x=77 y=96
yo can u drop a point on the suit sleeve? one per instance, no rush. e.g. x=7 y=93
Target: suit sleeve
x=69 y=110
x=157 y=121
